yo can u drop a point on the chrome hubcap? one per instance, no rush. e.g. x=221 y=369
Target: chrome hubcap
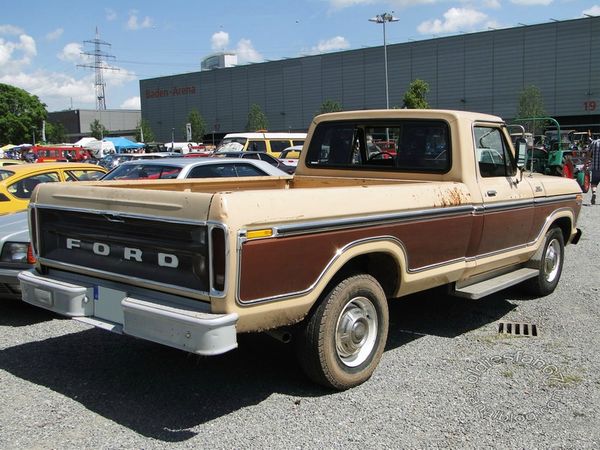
x=552 y=261
x=356 y=331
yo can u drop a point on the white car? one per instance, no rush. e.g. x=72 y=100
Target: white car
x=290 y=155
x=178 y=168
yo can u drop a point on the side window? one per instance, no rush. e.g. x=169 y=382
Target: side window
x=83 y=175
x=250 y=156
x=257 y=146
x=279 y=146
x=248 y=170
x=400 y=145
x=212 y=171
x=295 y=142
x=70 y=176
x=492 y=152
x=24 y=188
x=270 y=159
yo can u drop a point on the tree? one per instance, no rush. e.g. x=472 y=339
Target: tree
x=414 y=97
x=330 y=106
x=21 y=115
x=98 y=130
x=198 y=125
x=531 y=104
x=256 y=119
x=55 y=132
x=144 y=129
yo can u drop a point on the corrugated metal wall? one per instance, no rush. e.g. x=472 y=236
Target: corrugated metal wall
x=479 y=72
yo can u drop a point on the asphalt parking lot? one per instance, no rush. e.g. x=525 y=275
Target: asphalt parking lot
x=447 y=378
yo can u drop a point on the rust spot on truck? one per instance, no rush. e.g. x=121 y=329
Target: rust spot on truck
x=452 y=197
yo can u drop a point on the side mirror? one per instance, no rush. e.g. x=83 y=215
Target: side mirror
x=521 y=156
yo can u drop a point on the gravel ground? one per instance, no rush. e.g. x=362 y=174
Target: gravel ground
x=447 y=378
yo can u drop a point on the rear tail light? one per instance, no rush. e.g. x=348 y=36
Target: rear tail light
x=33 y=229
x=30 y=256
x=218 y=259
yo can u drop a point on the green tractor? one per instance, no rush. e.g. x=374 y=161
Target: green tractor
x=558 y=153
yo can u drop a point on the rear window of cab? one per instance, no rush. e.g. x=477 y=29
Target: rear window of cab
x=400 y=145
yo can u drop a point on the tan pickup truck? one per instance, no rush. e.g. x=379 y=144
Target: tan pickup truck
x=312 y=258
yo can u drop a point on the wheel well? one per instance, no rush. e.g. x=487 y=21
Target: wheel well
x=381 y=266
x=564 y=223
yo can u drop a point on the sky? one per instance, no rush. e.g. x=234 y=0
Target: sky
x=42 y=43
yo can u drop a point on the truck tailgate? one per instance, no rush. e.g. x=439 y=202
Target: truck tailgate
x=139 y=237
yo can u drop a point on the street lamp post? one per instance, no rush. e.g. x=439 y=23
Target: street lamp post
x=383 y=18
x=172 y=139
x=33 y=135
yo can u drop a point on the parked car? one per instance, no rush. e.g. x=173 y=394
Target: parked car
x=257 y=156
x=17 y=182
x=179 y=168
x=111 y=161
x=272 y=143
x=15 y=252
x=9 y=162
x=290 y=156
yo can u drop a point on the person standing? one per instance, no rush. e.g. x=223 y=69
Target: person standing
x=595 y=155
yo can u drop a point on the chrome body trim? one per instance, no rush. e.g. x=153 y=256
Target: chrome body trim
x=358 y=222
x=118 y=214
x=143 y=281
x=215 y=292
x=111 y=276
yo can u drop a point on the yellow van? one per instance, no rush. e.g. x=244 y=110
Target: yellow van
x=272 y=143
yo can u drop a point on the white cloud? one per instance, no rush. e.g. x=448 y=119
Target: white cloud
x=246 y=52
x=72 y=53
x=14 y=55
x=132 y=103
x=455 y=19
x=328 y=45
x=10 y=30
x=111 y=14
x=219 y=41
x=27 y=45
x=531 y=2
x=593 y=11
x=54 y=89
x=54 y=35
x=117 y=77
x=134 y=23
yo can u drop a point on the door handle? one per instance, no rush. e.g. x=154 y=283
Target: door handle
x=491 y=193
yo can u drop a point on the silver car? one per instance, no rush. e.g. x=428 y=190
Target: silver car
x=179 y=168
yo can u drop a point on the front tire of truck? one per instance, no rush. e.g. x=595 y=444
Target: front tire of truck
x=549 y=260
x=343 y=339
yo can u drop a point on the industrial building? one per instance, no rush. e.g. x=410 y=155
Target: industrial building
x=483 y=71
x=77 y=122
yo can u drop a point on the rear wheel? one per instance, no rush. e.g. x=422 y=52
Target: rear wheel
x=343 y=340
x=549 y=260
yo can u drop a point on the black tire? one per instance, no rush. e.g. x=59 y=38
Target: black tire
x=343 y=339
x=549 y=260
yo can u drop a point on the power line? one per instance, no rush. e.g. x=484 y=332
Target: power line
x=99 y=66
